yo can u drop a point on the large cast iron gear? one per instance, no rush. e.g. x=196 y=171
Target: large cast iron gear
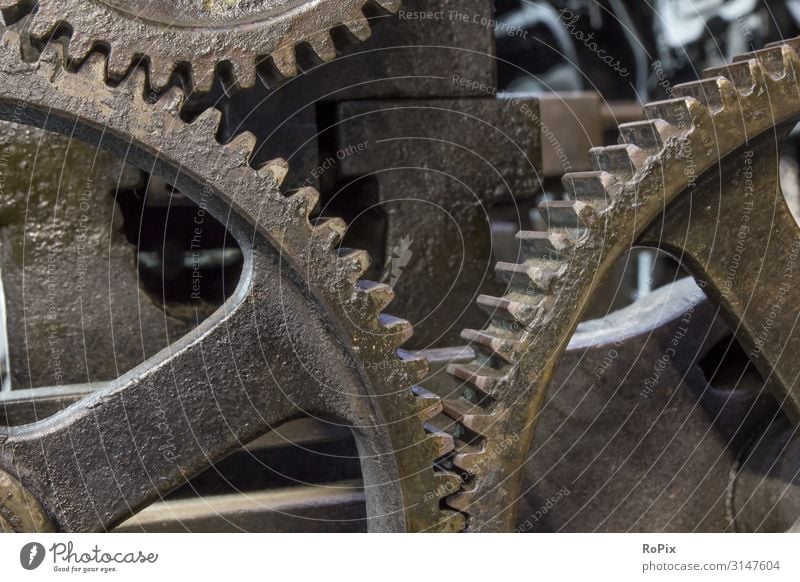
x=201 y=34
x=247 y=367
x=680 y=161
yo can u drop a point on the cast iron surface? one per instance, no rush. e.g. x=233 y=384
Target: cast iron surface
x=73 y=300
x=202 y=34
x=247 y=367
x=439 y=167
x=659 y=161
x=637 y=434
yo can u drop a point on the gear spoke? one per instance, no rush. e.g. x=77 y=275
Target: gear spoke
x=662 y=160
x=743 y=242
x=250 y=365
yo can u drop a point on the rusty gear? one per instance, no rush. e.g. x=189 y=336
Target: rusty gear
x=200 y=34
x=249 y=366
x=681 y=164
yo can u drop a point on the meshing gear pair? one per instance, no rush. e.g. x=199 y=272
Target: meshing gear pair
x=248 y=367
x=169 y=418
x=698 y=179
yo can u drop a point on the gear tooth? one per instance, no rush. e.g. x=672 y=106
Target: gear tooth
x=275 y=170
x=599 y=188
x=480 y=423
x=44 y=21
x=14 y=10
x=650 y=136
x=323 y=47
x=172 y=100
x=429 y=405
x=745 y=75
x=207 y=123
x=52 y=54
x=441 y=423
x=792 y=43
x=359 y=26
x=160 y=73
x=623 y=161
x=330 y=231
x=495 y=343
x=417 y=367
x=482 y=377
x=79 y=47
x=514 y=308
x=473 y=417
x=353 y=263
x=772 y=60
x=94 y=66
x=400 y=329
x=285 y=61
x=716 y=93
x=468 y=458
x=518 y=277
x=244 y=72
x=304 y=201
x=448 y=483
x=569 y=214
x=202 y=76
x=380 y=294
x=548 y=245
x=120 y=61
x=241 y=148
x=442 y=441
x=134 y=84
x=684 y=113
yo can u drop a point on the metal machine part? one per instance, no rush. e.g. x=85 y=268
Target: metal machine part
x=765 y=494
x=657 y=164
x=402 y=34
x=672 y=426
x=166 y=420
x=248 y=368
x=197 y=36
x=298 y=477
x=438 y=167
x=641 y=430
x=69 y=274
x=20 y=511
x=408 y=197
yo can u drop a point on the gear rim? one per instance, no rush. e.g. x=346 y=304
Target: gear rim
x=45 y=89
x=95 y=23
x=609 y=208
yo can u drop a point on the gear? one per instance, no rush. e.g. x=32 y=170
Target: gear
x=249 y=366
x=47 y=267
x=201 y=34
x=747 y=249
x=660 y=164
